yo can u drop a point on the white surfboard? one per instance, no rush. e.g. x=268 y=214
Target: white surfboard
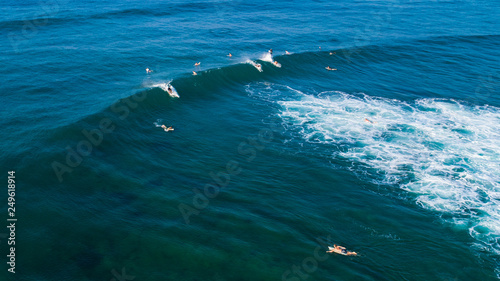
x=339 y=251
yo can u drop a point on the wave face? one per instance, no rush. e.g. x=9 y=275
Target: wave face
x=444 y=152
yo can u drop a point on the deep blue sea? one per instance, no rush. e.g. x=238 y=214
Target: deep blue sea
x=395 y=154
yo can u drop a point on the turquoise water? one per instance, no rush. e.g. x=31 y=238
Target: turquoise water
x=264 y=169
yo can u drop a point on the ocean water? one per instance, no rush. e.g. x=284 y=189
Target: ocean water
x=395 y=155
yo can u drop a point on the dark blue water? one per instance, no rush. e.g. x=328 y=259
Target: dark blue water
x=395 y=154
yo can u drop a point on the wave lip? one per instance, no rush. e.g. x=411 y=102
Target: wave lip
x=445 y=152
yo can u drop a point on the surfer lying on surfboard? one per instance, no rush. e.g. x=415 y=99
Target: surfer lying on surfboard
x=329 y=68
x=167 y=129
x=340 y=250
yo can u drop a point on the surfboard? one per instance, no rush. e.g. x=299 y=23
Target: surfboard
x=338 y=251
x=277 y=64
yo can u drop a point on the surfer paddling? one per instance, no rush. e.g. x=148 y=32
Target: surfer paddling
x=340 y=250
x=167 y=129
x=229 y=55
x=329 y=68
x=148 y=70
x=369 y=121
x=197 y=64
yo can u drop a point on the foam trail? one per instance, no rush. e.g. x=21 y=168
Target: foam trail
x=445 y=152
x=158 y=122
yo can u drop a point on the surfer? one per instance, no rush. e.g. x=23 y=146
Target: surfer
x=276 y=63
x=369 y=121
x=329 y=68
x=167 y=129
x=197 y=64
x=332 y=53
x=194 y=73
x=169 y=89
x=229 y=55
x=286 y=52
x=271 y=51
x=341 y=250
x=258 y=65
x=148 y=70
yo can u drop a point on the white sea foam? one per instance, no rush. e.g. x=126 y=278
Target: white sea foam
x=267 y=57
x=158 y=122
x=164 y=87
x=445 y=152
